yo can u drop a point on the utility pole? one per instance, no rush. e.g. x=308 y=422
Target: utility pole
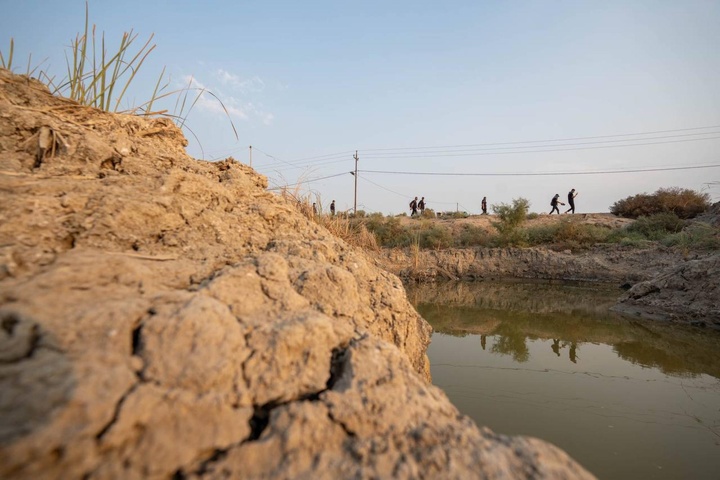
x=355 y=174
x=250 y=155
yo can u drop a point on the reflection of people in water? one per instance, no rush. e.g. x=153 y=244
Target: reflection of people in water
x=483 y=341
x=556 y=346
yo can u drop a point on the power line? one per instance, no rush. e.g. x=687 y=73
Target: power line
x=272 y=156
x=424 y=154
x=449 y=154
x=295 y=167
x=308 y=181
x=385 y=188
x=530 y=174
x=546 y=141
x=400 y=194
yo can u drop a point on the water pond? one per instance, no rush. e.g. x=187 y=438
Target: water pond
x=626 y=398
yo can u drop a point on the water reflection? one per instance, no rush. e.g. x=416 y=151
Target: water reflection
x=626 y=398
x=569 y=316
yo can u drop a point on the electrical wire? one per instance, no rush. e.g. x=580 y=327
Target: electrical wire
x=308 y=181
x=546 y=141
x=531 y=174
x=415 y=154
x=450 y=154
x=398 y=193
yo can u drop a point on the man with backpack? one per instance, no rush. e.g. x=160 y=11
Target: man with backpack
x=413 y=207
x=554 y=204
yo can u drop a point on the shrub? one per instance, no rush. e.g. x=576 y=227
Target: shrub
x=627 y=238
x=683 y=202
x=428 y=213
x=436 y=236
x=471 y=235
x=453 y=214
x=532 y=216
x=388 y=231
x=698 y=236
x=510 y=217
x=658 y=226
x=567 y=234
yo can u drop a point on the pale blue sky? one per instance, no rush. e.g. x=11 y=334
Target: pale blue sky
x=309 y=79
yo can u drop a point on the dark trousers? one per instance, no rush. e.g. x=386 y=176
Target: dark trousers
x=555 y=209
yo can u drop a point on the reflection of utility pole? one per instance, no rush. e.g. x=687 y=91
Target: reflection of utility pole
x=355 y=174
x=250 y=155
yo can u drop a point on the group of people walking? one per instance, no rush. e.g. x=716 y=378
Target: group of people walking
x=416 y=206
x=556 y=201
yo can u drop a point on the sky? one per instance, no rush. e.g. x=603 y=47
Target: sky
x=452 y=101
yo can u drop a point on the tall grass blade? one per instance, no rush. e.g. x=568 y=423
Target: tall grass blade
x=8 y=64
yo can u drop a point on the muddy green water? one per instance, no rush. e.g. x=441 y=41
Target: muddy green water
x=626 y=398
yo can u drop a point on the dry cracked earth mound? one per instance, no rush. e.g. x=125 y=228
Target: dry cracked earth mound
x=165 y=317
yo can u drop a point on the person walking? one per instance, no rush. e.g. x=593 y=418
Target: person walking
x=421 y=206
x=554 y=204
x=571 y=200
x=483 y=205
x=413 y=207
x=332 y=208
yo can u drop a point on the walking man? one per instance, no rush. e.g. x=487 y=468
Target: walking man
x=554 y=204
x=571 y=200
x=484 y=205
x=421 y=206
x=332 y=208
x=413 y=207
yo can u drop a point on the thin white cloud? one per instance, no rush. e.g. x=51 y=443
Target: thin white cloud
x=242 y=85
x=237 y=107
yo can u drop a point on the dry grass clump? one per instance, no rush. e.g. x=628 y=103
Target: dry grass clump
x=310 y=205
x=99 y=77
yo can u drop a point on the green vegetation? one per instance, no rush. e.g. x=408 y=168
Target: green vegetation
x=683 y=202
x=567 y=232
x=510 y=218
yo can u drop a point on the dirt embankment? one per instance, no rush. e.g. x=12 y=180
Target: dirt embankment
x=669 y=283
x=602 y=264
x=163 y=317
x=688 y=292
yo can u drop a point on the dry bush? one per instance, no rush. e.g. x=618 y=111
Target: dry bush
x=683 y=202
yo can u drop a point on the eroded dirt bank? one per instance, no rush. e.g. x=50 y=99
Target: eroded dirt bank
x=688 y=292
x=610 y=263
x=163 y=317
x=667 y=284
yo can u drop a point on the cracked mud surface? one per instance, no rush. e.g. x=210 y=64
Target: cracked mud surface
x=162 y=317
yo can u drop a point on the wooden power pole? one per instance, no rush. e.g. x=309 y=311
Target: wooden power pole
x=355 y=174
